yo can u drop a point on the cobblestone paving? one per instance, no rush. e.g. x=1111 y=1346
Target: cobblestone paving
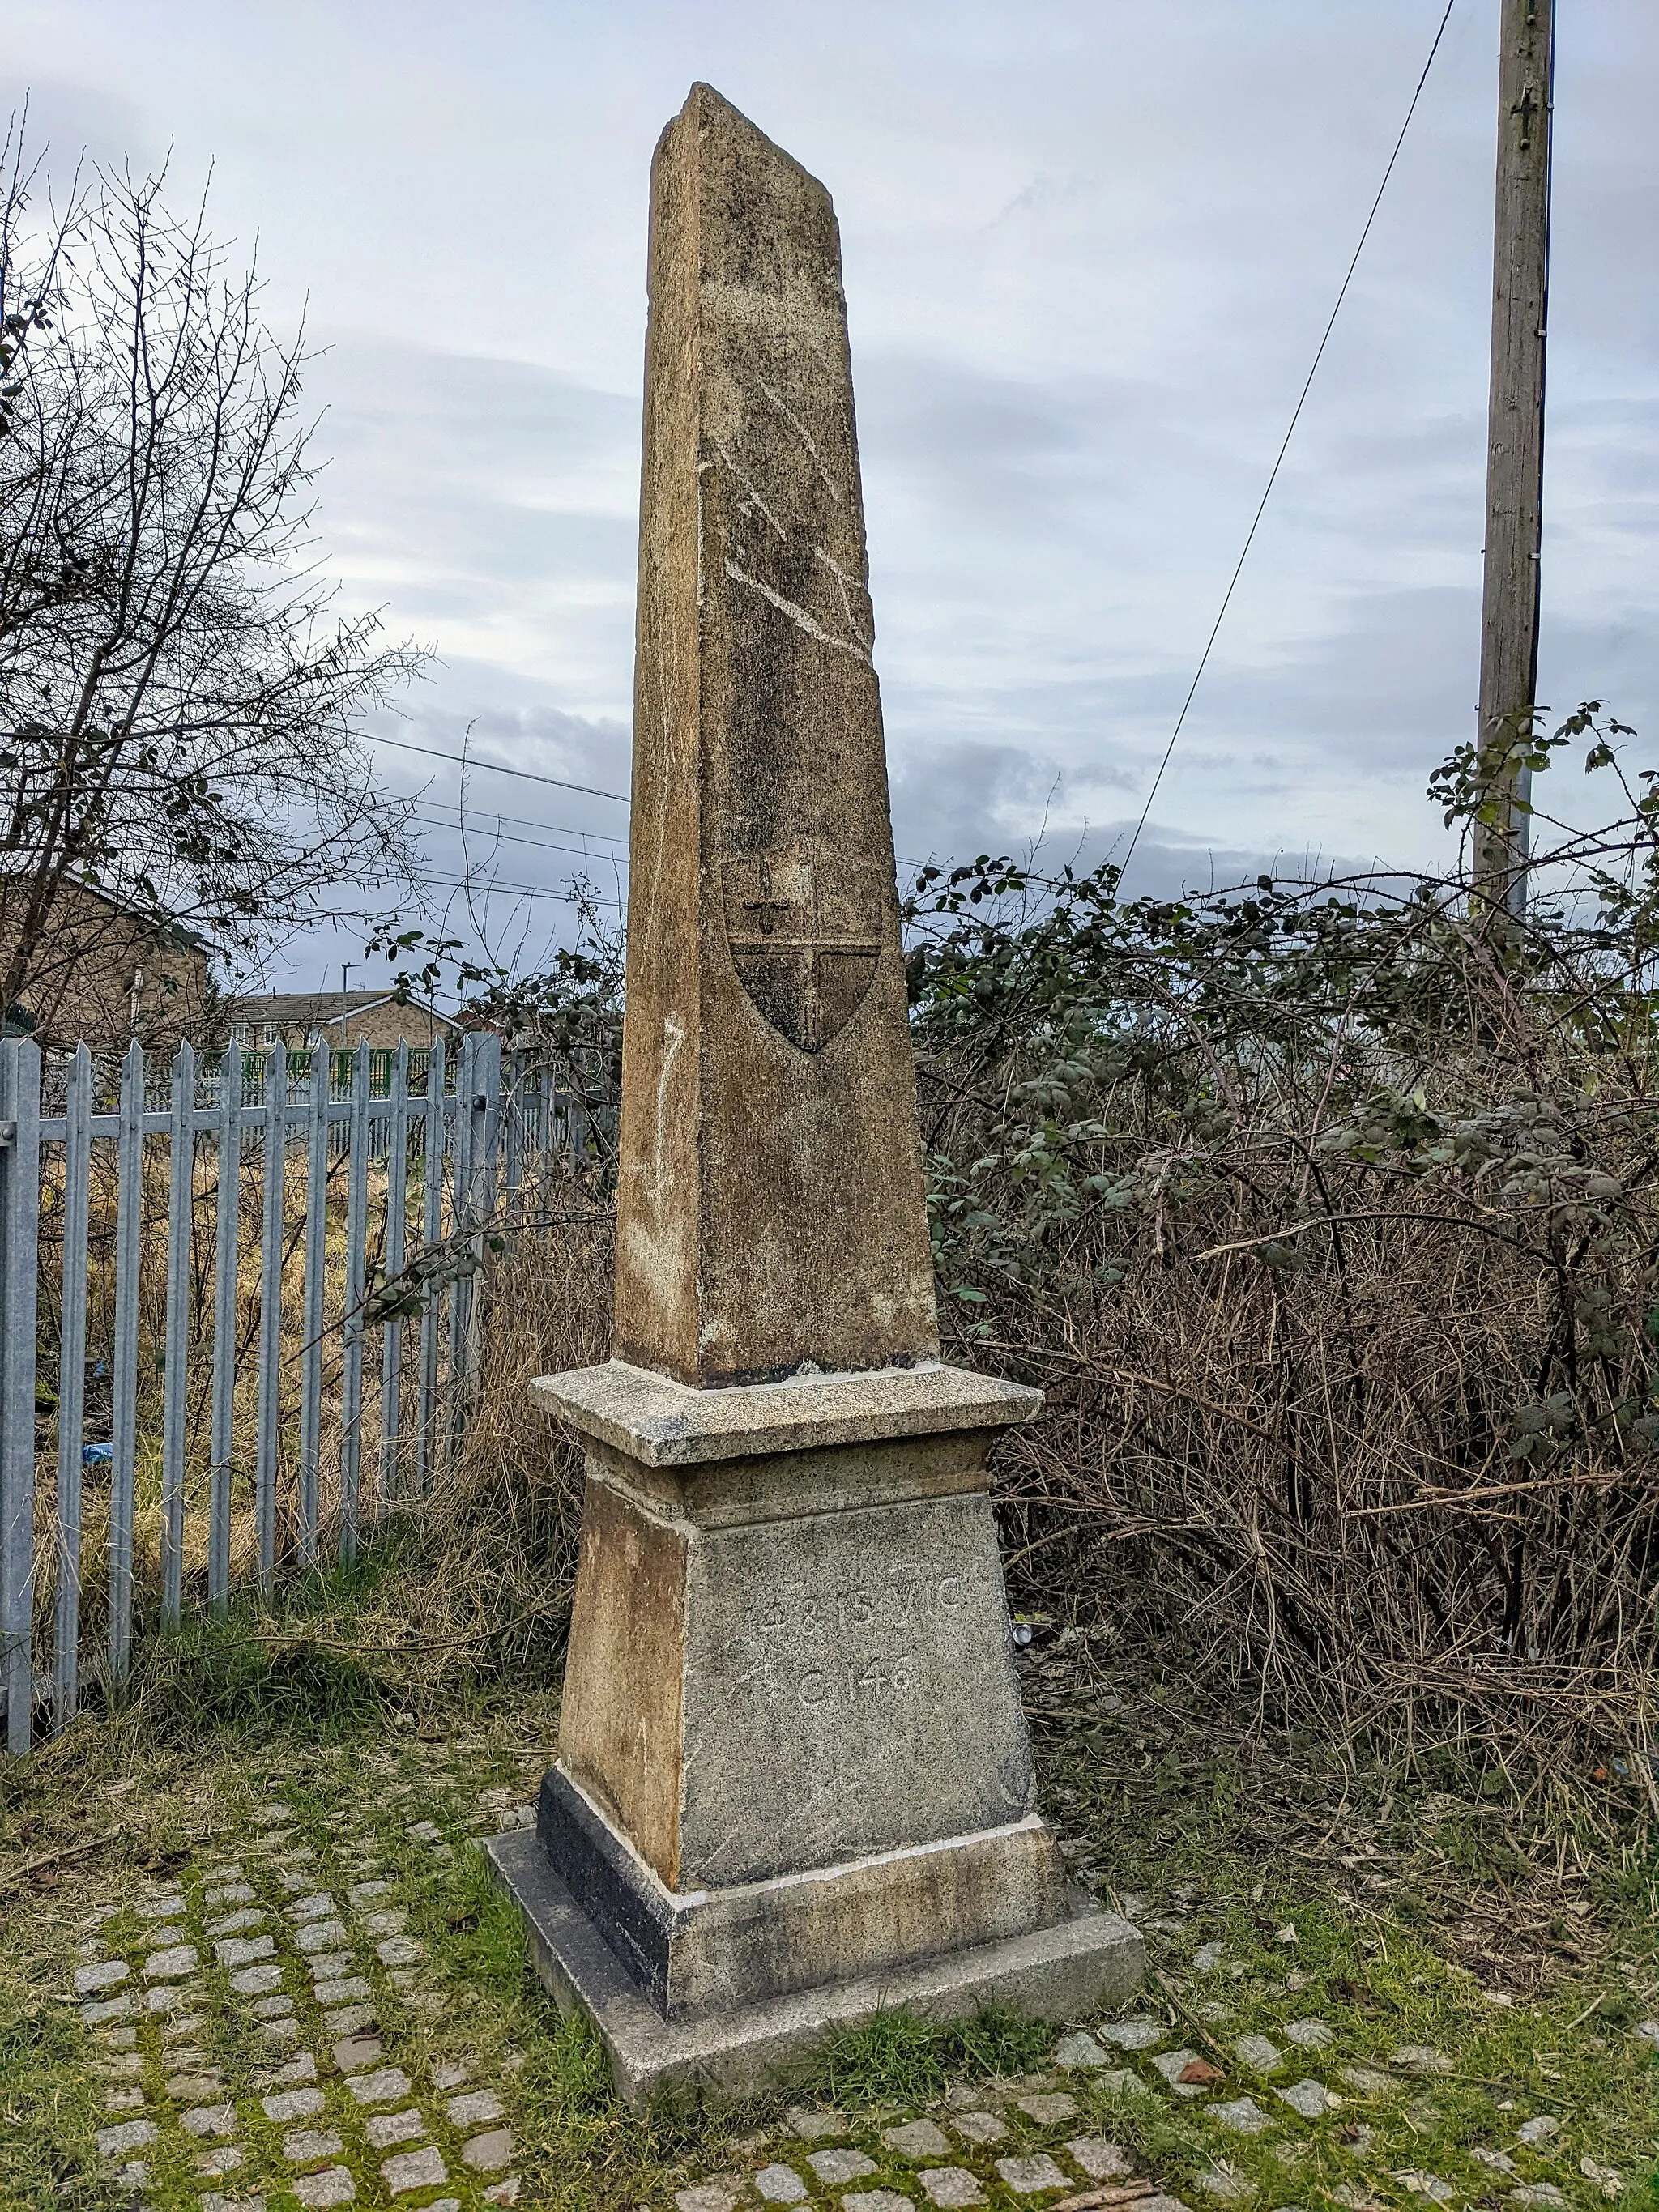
x=248 y=2016
x=1047 y=2140
x=268 y=2033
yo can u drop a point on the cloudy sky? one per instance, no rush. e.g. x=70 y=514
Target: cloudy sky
x=1089 y=246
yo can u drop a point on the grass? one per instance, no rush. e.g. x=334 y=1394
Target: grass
x=1399 y=1909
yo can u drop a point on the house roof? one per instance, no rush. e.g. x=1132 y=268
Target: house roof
x=165 y=926
x=317 y=1008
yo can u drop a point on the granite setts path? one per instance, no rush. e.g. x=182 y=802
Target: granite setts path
x=268 y=2032
x=290 y=1955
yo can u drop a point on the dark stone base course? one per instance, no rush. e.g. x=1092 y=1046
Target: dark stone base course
x=603 y=1886
x=1090 y=1962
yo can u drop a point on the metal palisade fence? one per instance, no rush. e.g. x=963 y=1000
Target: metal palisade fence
x=239 y=1321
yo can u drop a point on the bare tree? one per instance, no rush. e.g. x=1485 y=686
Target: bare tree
x=179 y=708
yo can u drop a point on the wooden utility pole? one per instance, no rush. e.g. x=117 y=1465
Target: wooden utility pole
x=1515 y=452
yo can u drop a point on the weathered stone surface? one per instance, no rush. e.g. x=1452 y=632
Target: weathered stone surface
x=102 y=2008
x=769 y=1208
x=833 y=2166
x=753 y=1700
x=386 y=2129
x=979 y=2127
x=235 y=1924
x=917 y=2139
x=1259 y=2052
x=1031 y=2177
x=951 y=2186
x=256 y=1981
x=104 y=1976
x=474 y=2110
x=292 y=2105
x=781 y=2185
x=1171 y=2064
x=656 y=1422
x=305 y=2145
x=1100 y=2159
x=1079 y=2052
x=243 y=1951
x=413 y=2169
x=382 y=2088
x=1048 y=2110
x=716 y=1948
x=1311 y=2098
x=488 y=2153
x=170 y=1965
x=209 y=2120
x=321 y=1936
x=336 y=2186
x=1243 y=2116
x=1088 y=1959
x=342 y=1992
x=130 y=2135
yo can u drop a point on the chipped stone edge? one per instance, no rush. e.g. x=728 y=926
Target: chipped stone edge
x=1090 y=1961
x=663 y=1422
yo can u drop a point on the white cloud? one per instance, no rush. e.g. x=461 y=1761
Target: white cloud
x=1089 y=245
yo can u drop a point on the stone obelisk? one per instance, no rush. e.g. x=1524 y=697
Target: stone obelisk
x=794 y=1782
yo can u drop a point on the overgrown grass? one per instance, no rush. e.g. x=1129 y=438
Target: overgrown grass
x=897 y=2058
x=1199 y=1827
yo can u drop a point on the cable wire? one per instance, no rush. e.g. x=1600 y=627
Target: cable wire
x=495 y=767
x=1279 y=459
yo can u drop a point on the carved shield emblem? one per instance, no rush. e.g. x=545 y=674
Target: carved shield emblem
x=805 y=930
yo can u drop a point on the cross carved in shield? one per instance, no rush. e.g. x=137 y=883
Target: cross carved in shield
x=806 y=935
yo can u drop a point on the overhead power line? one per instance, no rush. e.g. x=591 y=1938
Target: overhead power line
x=467 y=815
x=497 y=767
x=1284 y=448
x=483 y=888
x=488 y=833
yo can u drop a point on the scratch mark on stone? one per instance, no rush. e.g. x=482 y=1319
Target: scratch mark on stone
x=799 y=616
x=754 y=499
x=804 y=435
x=844 y=580
x=674 y=1032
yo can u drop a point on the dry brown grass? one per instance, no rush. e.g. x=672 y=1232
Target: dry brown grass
x=1333 y=1243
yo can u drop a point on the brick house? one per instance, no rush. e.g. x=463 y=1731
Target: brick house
x=333 y=1020
x=106 y=972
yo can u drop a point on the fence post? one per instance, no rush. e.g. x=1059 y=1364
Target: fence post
x=431 y=1228
x=226 y=1236
x=271 y=1314
x=482 y=1156
x=392 y=1335
x=460 y=1226
x=72 y=1388
x=175 y=1371
x=311 y=1327
x=351 y=1378
x=123 y=1359
x=19 y=1231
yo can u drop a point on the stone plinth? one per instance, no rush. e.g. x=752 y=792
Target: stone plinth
x=792 y=1757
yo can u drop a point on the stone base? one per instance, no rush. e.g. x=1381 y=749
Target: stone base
x=1090 y=1961
x=720 y=1950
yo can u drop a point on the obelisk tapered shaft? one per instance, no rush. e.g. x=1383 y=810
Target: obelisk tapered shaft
x=770 y=1212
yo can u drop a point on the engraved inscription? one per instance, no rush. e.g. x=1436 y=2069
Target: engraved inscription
x=867 y=1694
x=802 y=1634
